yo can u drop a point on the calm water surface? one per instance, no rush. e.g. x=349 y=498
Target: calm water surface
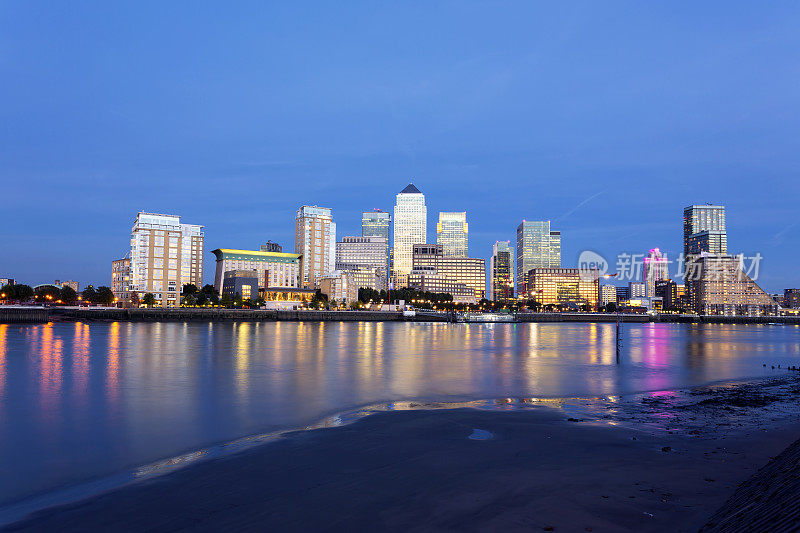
x=80 y=401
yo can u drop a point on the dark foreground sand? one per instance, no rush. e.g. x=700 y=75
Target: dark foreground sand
x=655 y=462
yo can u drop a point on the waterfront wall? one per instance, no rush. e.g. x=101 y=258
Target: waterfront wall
x=16 y=315
x=184 y=314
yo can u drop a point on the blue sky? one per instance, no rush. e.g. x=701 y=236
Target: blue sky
x=605 y=117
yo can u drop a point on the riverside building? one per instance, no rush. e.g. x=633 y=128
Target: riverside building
x=719 y=286
x=273 y=269
x=469 y=271
x=537 y=247
x=428 y=279
x=121 y=281
x=164 y=256
x=564 y=286
x=315 y=240
x=410 y=228
x=363 y=253
x=501 y=272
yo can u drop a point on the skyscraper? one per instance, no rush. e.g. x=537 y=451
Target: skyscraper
x=315 y=240
x=377 y=223
x=364 y=254
x=655 y=267
x=501 y=273
x=537 y=247
x=704 y=230
x=165 y=255
x=451 y=233
x=410 y=223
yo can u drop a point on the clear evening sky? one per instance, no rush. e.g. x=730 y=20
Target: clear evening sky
x=605 y=117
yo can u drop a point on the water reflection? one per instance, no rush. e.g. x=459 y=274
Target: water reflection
x=137 y=393
x=3 y=350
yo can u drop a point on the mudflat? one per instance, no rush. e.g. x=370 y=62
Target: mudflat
x=661 y=461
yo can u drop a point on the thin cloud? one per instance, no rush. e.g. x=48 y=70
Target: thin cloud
x=586 y=201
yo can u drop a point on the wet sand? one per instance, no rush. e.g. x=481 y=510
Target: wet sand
x=661 y=461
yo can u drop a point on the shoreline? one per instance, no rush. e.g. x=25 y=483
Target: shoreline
x=22 y=315
x=758 y=412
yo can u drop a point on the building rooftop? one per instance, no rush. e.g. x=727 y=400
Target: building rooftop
x=410 y=189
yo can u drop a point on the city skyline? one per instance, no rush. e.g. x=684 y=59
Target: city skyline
x=431 y=235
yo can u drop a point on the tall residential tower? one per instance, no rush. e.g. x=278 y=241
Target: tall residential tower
x=704 y=230
x=164 y=256
x=315 y=240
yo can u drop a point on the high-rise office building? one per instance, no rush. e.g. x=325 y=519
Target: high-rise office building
x=704 y=233
x=377 y=223
x=501 y=272
x=655 y=267
x=363 y=254
x=315 y=240
x=164 y=256
x=469 y=271
x=537 y=247
x=451 y=233
x=704 y=230
x=410 y=228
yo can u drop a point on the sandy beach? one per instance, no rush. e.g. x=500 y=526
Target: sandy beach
x=661 y=461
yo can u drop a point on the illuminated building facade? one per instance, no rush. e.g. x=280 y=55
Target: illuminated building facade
x=537 y=247
x=427 y=279
x=469 y=271
x=608 y=294
x=121 y=281
x=637 y=290
x=563 y=286
x=667 y=290
x=410 y=228
x=273 y=269
x=315 y=240
x=719 y=286
x=339 y=286
x=452 y=234
x=655 y=268
x=363 y=254
x=164 y=256
x=377 y=223
x=501 y=272
x=791 y=298
x=704 y=230
x=242 y=283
